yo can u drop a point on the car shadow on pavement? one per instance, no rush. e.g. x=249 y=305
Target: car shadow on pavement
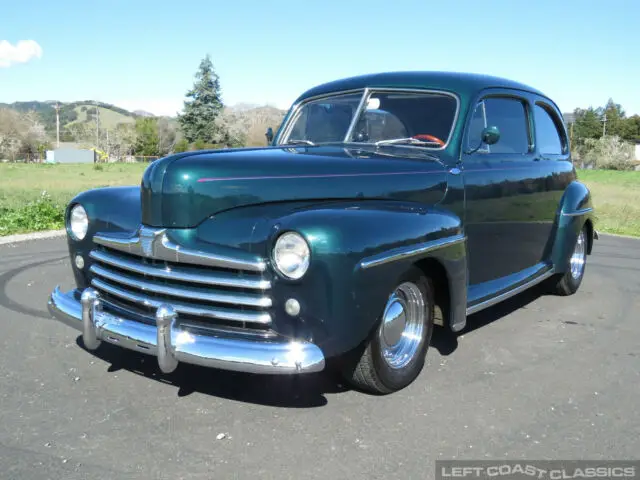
x=288 y=391
x=446 y=341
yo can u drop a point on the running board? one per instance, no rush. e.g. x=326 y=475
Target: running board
x=510 y=293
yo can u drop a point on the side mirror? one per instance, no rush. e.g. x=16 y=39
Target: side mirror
x=490 y=135
x=269 y=135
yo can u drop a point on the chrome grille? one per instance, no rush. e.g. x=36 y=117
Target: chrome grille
x=212 y=289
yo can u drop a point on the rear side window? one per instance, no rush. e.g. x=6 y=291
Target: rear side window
x=510 y=116
x=548 y=138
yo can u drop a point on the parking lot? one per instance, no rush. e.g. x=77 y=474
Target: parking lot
x=538 y=377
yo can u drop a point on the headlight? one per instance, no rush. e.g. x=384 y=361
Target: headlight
x=78 y=222
x=291 y=255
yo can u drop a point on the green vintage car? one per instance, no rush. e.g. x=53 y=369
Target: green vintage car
x=384 y=205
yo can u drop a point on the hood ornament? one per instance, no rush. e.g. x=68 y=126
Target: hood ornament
x=147 y=240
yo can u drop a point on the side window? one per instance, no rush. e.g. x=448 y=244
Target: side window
x=510 y=116
x=548 y=138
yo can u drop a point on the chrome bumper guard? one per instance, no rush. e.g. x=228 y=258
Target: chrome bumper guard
x=172 y=344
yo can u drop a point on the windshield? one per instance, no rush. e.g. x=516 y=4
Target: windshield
x=325 y=120
x=422 y=119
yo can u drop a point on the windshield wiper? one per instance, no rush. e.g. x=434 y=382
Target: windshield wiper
x=404 y=141
x=299 y=142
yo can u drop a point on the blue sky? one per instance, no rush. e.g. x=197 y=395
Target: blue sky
x=143 y=54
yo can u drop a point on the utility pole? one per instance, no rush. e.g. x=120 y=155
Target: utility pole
x=571 y=134
x=57 y=107
x=604 y=124
x=97 y=126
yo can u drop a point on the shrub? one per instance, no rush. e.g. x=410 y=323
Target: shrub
x=41 y=214
x=202 y=145
x=609 y=153
x=181 y=146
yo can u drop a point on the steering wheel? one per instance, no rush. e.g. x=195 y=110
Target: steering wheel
x=428 y=138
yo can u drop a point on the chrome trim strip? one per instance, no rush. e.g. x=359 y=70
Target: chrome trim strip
x=577 y=213
x=410 y=251
x=175 y=273
x=510 y=293
x=247 y=299
x=273 y=356
x=262 y=318
x=154 y=243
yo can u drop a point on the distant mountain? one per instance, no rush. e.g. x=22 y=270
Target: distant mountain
x=253 y=119
x=256 y=120
x=242 y=107
x=142 y=113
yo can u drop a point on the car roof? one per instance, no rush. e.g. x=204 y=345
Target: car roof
x=464 y=84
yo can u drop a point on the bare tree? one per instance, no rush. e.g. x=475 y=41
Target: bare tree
x=21 y=133
x=122 y=141
x=167 y=135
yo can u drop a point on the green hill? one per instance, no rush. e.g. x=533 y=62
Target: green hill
x=108 y=117
x=74 y=112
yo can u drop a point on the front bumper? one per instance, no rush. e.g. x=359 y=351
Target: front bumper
x=171 y=344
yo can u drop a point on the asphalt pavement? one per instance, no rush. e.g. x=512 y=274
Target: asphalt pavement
x=537 y=377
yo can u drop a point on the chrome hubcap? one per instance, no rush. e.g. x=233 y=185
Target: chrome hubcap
x=402 y=329
x=579 y=256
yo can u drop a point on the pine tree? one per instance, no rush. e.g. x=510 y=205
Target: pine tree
x=615 y=116
x=203 y=106
x=588 y=124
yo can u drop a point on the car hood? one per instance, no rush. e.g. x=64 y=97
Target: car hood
x=182 y=190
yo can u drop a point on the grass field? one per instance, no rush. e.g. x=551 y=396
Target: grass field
x=616 y=198
x=616 y=195
x=22 y=205
x=21 y=183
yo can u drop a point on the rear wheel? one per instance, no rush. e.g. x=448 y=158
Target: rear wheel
x=395 y=353
x=569 y=283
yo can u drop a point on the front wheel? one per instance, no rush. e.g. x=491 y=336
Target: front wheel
x=395 y=354
x=569 y=283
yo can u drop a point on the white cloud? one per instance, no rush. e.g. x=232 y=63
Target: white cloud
x=21 y=52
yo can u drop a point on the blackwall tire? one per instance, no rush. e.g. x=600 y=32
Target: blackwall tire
x=395 y=353
x=569 y=282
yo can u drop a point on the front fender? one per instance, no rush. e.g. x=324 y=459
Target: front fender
x=110 y=209
x=575 y=210
x=358 y=253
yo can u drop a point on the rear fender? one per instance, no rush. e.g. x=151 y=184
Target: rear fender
x=575 y=210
